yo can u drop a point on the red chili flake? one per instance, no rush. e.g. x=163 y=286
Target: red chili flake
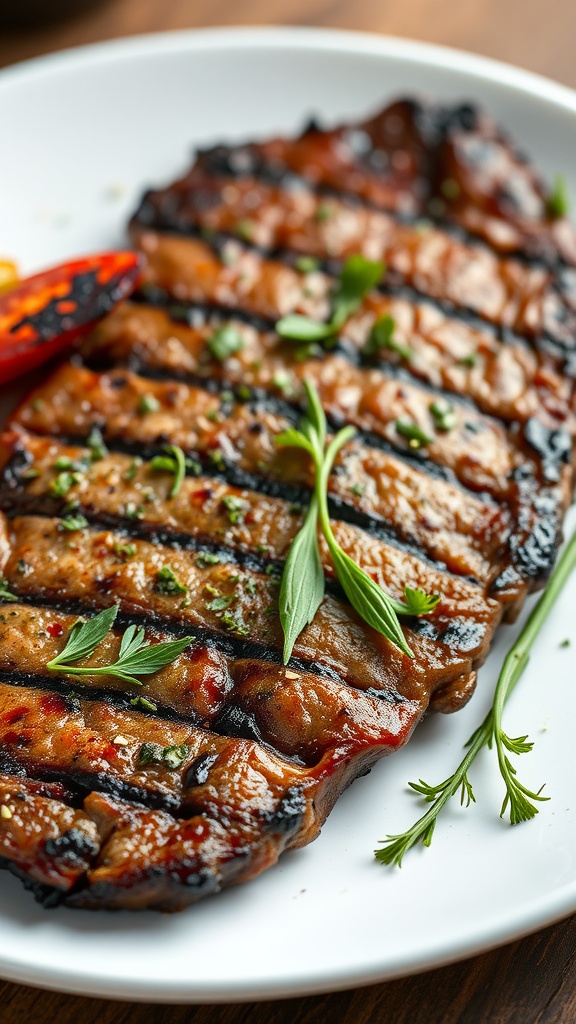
x=55 y=629
x=201 y=496
x=53 y=704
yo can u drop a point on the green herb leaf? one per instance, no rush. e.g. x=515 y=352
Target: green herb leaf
x=173 y=462
x=302 y=586
x=306 y=264
x=382 y=337
x=171 y=757
x=136 y=657
x=296 y=327
x=558 y=204
x=417 y=602
x=225 y=342
x=357 y=278
x=84 y=637
x=368 y=599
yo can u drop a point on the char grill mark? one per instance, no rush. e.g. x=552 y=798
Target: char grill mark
x=505 y=292
x=479 y=452
x=240 y=442
x=249 y=528
x=417 y=159
x=235 y=609
x=506 y=380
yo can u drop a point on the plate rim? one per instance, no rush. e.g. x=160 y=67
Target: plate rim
x=541 y=913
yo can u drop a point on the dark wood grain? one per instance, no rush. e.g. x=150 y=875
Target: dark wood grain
x=529 y=982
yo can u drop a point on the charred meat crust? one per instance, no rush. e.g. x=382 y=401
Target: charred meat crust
x=116 y=795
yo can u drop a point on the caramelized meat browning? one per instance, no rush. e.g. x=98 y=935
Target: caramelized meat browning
x=145 y=473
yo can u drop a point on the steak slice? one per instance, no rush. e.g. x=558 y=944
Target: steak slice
x=155 y=793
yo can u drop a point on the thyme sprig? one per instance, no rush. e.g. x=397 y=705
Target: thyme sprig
x=518 y=799
x=302 y=586
x=136 y=657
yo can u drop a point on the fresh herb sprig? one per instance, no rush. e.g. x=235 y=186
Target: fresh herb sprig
x=302 y=586
x=136 y=657
x=518 y=799
x=357 y=278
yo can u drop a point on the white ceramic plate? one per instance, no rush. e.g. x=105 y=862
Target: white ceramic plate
x=82 y=133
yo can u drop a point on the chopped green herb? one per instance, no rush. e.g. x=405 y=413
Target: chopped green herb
x=416 y=437
x=558 y=204
x=359 y=489
x=206 y=558
x=225 y=342
x=133 y=511
x=143 y=702
x=168 y=583
x=243 y=393
x=233 y=625
x=5 y=594
x=133 y=468
x=565 y=643
x=216 y=457
x=172 y=757
x=124 y=551
x=95 y=442
x=382 y=337
x=470 y=360
x=235 y=507
x=323 y=212
x=30 y=474
x=64 y=481
x=444 y=415
x=74 y=522
x=245 y=230
x=218 y=604
x=306 y=264
x=148 y=403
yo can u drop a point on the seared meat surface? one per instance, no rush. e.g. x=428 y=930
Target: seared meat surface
x=155 y=795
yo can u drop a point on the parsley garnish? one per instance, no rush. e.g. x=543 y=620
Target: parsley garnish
x=136 y=657
x=95 y=442
x=171 y=757
x=168 y=583
x=73 y=522
x=357 y=278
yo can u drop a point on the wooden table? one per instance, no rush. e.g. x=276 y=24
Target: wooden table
x=529 y=982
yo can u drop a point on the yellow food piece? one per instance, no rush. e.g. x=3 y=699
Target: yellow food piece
x=8 y=275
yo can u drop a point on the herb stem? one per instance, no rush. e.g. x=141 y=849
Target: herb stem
x=490 y=733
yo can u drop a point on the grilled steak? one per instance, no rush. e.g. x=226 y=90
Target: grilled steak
x=113 y=795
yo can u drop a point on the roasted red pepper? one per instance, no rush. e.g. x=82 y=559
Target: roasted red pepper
x=44 y=314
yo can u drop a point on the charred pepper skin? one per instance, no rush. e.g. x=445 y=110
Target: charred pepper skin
x=44 y=314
